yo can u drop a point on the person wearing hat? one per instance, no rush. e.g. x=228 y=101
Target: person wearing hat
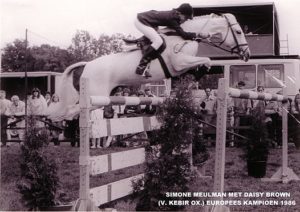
x=148 y=22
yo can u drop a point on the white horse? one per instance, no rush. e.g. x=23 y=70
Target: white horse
x=107 y=72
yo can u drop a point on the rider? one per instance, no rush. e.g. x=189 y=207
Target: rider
x=148 y=22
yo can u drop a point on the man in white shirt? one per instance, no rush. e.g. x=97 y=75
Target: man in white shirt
x=4 y=112
x=208 y=103
x=16 y=110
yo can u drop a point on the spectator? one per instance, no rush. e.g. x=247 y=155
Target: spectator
x=16 y=110
x=208 y=103
x=37 y=103
x=142 y=94
x=96 y=117
x=148 y=93
x=269 y=110
x=230 y=119
x=54 y=131
x=4 y=111
x=246 y=30
x=259 y=104
x=149 y=109
x=54 y=100
x=126 y=92
x=173 y=94
x=230 y=111
x=273 y=119
x=48 y=98
x=294 y=125
x=132 y=110
x=118 y=109
x=4 y=103
x=241 y=109
x=53 y=104
x=297 y=102
x=208 y=106
x=37 y=106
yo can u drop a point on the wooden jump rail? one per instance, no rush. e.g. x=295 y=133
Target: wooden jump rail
x=89 y=198
x=284 y=174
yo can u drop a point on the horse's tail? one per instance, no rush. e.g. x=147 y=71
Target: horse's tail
x=68 y=95
x=69 y=69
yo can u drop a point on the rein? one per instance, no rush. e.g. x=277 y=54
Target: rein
x=233 y=49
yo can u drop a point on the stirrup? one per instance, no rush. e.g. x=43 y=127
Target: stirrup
x=140 y=70
x=146 y=74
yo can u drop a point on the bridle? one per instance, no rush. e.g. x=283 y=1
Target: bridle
x=237 y=49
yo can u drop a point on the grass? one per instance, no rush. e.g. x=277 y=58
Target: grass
x=236 y=178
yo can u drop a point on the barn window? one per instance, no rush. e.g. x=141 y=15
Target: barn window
x=244 y=73
x=270 y=76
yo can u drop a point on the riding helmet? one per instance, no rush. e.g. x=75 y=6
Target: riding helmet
x=186 y=9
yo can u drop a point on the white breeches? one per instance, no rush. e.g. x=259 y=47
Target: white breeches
x=150 y=33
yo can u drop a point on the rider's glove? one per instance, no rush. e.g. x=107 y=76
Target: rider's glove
x=203 y=35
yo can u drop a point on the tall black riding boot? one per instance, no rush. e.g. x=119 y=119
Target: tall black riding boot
x=149 y=55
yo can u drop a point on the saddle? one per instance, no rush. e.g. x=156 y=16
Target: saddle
x=143 y=43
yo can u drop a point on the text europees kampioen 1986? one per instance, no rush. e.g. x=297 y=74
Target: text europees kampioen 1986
x=227 y=199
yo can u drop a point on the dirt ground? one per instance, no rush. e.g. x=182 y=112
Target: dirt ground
x=236 y=179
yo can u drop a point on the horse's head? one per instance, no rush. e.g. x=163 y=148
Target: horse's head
x=225 y=31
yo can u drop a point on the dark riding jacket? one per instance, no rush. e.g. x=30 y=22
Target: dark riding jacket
x=169 y=19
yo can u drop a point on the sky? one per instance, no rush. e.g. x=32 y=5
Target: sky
x=55 y=21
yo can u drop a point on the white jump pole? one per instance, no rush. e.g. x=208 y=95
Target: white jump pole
x=100 y=101
x=221 y=136
x=84 y=203
x=220 y=144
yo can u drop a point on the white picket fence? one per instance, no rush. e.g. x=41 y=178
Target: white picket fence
x=94 y=165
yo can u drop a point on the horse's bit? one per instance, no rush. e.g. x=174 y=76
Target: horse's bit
x=233 y=49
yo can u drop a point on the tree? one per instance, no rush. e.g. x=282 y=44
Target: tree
x=82 y=46
x=50 y=58
x=39 y=58
x=85 y=47
x=15 y=57
x=110 y=44
x=168 y=167
x=39 y=183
